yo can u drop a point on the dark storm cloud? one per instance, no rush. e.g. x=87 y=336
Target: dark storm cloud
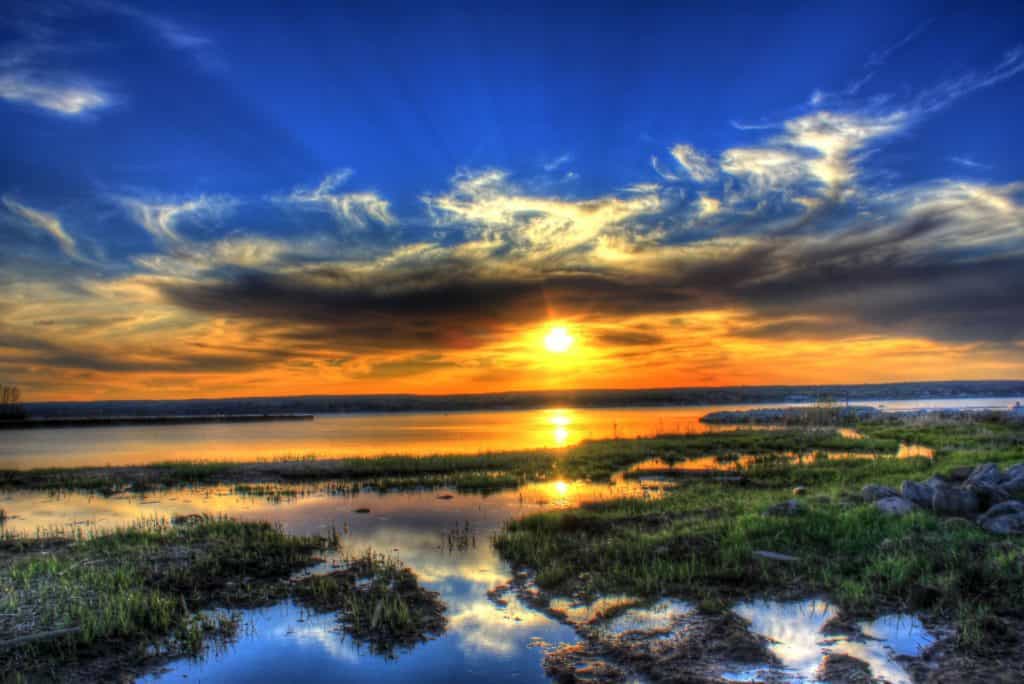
x=897 y=278
x=35 y=351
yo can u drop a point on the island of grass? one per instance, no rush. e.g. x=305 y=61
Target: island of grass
x=93 y=608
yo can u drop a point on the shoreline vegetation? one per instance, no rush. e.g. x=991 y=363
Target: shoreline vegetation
x=106 y=421
x=785 y=528
x=598 y=398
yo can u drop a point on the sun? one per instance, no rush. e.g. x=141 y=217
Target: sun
x=558 y=341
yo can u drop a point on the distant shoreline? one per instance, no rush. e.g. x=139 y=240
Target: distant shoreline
x=582 y=399
x=38 y=423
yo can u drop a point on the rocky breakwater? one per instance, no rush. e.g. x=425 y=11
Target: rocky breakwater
x=985 y=493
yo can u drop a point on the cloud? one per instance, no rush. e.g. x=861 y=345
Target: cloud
x=946 y=92
x=557 y=163
x=969 y=163
x=492 y=211
x=946 y=265
x=68 y=98
x=662 y=171
x=352 y=209
x=48 y=223
x=700 y=168
x=160 y=219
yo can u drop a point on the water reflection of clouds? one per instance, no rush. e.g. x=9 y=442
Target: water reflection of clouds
x=796 y=632
x=483 y=628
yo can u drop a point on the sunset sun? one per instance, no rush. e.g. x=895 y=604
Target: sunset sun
x=558 y=340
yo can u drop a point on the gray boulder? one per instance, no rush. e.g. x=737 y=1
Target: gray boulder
x=1013 y=472
x=894 y=505
x=955 y=501
x=917 y=493
x=985 y=475
x=873 y=492
x=960 y=473
x=1014 y=486
x=1004 y=518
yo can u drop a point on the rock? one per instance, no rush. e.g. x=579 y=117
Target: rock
x=840 y=668
x=894 y=505
x=775 y=556
x=960 y=474
x=873 y=492
x=1013 y=472
x=917 y=493
x=791 y=507
x=1014 y=486
x=985 y=475
x=955 y=501
x=1005 y=508
x=799 y=491
x=1004 y=518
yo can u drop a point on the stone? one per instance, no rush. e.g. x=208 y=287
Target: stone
x=840 y=668
x=1004 y=518
x=791 y=507
x=1013 y=472
x=1013 y=486
x=960 y=474
x=985 y=475
x=894 y=505
x=955 y=501
x=917 y=493
x=775 y=556
x=874 y=492
x=1005 y=508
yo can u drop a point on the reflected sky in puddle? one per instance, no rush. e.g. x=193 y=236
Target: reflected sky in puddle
x=485 y=640
x=797 y=632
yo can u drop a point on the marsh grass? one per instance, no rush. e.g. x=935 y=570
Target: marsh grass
x=482 y=472
x=111 y=595
x=697 y=541
x=379 y=602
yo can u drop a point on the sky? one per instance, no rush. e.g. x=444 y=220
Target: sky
x=200 y=200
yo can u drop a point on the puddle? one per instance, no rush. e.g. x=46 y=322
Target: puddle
x=444 y=540
x=797 y=631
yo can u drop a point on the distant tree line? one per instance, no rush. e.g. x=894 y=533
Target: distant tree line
x=10 y=402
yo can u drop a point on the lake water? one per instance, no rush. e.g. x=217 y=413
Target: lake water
x=369 y=434
x=485 y=640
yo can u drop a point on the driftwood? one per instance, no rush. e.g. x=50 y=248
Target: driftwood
x=38 y=636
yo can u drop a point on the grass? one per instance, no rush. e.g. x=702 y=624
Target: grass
x=112 y=595
x=379 y=602
x=481 y=472
x=697 y=542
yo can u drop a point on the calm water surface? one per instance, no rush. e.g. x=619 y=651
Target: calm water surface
x=367 y=434
x=484 y=641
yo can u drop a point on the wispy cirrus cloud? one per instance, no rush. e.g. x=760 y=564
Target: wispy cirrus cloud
x=64 y=96
x=45 y=222
x=160 y=218
x=356 y=209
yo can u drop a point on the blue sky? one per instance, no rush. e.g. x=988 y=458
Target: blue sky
x=187 y=164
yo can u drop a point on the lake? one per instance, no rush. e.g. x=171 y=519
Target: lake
x=372 y=434
x=486 y=640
